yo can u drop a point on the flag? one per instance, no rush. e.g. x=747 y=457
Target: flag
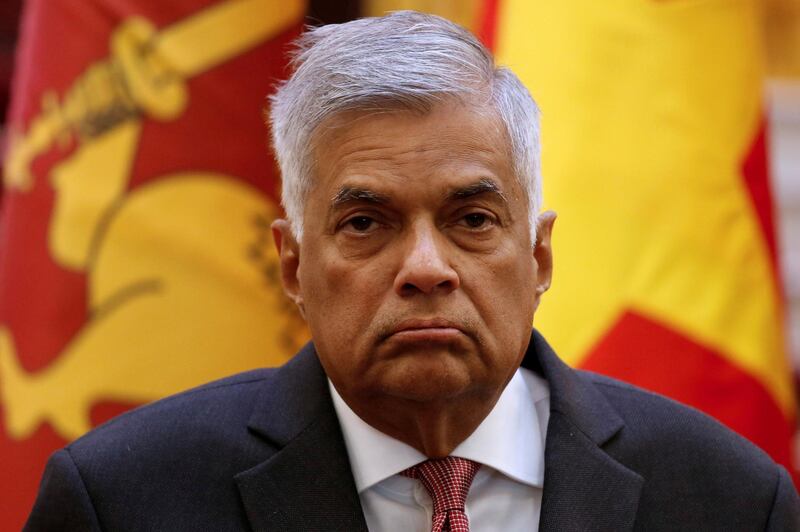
x=654 y=157
x=135 y=252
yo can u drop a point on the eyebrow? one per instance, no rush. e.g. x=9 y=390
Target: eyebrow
x=482 y=186
x=348 y=194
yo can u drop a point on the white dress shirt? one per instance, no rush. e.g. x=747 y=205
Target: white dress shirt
x=507 y=491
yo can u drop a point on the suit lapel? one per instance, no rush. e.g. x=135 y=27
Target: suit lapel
x=307 y=484
x=585 y=488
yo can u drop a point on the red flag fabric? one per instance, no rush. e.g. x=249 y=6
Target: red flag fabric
x=135 y=252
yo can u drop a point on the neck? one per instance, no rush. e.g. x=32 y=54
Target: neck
x=434 y=428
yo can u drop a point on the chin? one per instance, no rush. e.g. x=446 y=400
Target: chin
x=428 y=379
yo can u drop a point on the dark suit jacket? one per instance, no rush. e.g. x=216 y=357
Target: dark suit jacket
x=263 y=450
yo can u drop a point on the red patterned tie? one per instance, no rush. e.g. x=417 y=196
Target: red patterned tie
x=447 y=481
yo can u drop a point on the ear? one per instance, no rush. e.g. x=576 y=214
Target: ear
x=289 y=256
x=543 y=252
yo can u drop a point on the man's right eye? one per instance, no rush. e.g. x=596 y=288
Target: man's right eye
x=361 y=224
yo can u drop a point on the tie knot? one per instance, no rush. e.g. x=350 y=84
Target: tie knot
x=447 y=480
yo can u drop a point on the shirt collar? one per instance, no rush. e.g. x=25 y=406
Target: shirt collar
x=510 y=439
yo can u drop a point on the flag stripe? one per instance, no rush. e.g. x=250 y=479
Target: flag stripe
x=755 y=170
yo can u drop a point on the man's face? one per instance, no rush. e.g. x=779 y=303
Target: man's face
x=416 y=272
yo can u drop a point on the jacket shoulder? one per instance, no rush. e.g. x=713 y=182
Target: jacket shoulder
x=656 y=423
x=210 y=406
x=169 y=464
x=695 y=468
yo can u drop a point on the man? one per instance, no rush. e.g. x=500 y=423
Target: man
x=413 y=248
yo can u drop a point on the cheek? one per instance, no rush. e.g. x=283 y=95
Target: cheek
x=340 y=295
x=513 y=266
x=508 y=293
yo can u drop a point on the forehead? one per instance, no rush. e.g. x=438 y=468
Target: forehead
x=450 y=142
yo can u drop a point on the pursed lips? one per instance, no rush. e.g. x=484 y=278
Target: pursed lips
x=427 y=330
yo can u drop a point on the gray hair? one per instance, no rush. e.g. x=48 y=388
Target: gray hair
x=404 y=60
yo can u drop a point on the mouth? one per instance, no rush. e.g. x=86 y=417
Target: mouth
x=434 y=330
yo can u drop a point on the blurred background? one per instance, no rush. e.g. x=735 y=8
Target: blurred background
x=138 y=188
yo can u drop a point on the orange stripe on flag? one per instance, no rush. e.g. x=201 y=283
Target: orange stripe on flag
x=755 y=170
x=486 y=28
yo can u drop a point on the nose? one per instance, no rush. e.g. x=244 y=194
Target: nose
x=426 y=267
